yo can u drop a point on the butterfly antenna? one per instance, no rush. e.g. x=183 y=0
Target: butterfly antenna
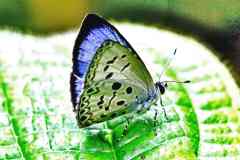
x=187 y=81
x=167 y=63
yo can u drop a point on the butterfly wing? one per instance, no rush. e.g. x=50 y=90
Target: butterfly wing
x=93 y=33
x=116 y=82
x=101 y=58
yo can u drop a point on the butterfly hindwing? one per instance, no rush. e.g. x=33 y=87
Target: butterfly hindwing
x=117 y=79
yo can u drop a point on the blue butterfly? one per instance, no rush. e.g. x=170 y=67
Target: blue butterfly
x=108 y=77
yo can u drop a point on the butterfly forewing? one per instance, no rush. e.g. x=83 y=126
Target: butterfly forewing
x=116 y=82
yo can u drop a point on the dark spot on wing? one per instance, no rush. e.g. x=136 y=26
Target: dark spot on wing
x=129 y=90
x=119 y=103
x=107 y=108
x=101 y=101
x=105 y=68
x=109 y=75
x=90 y=90
x=123 y=56
x=116 y=85
x=100 y=49
x=82 y=118
x=85 y=103
x=82 y=111
x=83 y=98
x=89 y=76
x=112 y=61
x=82 y=105
x=110 y=101
x=124 y=67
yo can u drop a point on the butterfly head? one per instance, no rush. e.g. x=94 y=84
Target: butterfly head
x=162 y=86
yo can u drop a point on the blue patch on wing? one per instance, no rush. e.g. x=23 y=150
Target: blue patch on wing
x=93 y=33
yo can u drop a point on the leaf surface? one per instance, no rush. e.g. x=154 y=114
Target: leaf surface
x=37 y=122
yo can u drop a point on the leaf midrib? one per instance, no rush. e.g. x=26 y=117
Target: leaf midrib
x=8 y=105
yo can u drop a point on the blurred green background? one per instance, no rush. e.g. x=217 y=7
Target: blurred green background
x=215 y=23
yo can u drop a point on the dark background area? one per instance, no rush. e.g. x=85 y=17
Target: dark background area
x=215 y=23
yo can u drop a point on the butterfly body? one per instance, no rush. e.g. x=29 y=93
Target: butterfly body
x=108 y=79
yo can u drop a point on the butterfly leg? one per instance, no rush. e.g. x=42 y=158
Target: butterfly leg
x=128 y=120
x=155 y=121
x=164 y=111
x=155 y=117
x=126 y=128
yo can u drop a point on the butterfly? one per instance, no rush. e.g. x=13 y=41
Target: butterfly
x=108 y=78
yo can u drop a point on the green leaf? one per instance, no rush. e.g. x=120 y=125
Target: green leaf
x=37 y=122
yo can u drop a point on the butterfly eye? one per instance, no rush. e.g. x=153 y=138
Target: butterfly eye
x=162 y=89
